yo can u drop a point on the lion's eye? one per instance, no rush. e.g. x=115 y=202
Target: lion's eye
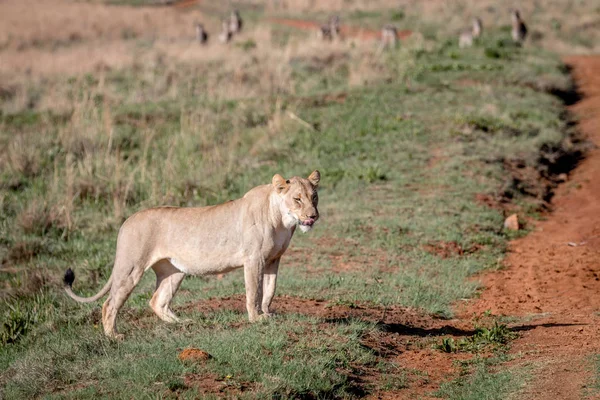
x=297 y=200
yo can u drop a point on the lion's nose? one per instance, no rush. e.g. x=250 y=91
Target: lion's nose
x=309 y=221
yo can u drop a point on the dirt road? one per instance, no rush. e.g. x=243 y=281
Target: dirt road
x=553 y=274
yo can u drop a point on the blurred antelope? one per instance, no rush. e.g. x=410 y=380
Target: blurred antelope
x=467 y=37
x=324 y=32
x=201 y=34
x=334 y=26
x=225 y=35
x=477 y=27
x=519 y=29
x=330 y=30
x=389 y=36
x=235 y=22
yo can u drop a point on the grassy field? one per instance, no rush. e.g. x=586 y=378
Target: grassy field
x=413 y=145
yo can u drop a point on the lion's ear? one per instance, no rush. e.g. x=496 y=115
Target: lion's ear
x=314 y=178
x=279 y=183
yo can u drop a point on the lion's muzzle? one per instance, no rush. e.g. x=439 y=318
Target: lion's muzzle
x=309 y=222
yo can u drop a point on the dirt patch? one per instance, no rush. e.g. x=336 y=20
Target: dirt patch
x=405 y=337
x=437 y=157
x=540 y=181
x=212 y=384
x=545 y=273
x=489 y=200
x=345 y=30
x=449 y=249
x=321 y=100
x=193 y=355
x=554 y=271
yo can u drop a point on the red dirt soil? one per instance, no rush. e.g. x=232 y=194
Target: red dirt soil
x=193 y=354
x=185 y=3
x=345 y=30
x=555 y=271
x=405 y=337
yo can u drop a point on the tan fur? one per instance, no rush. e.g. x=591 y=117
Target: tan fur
x=468 y=37
x=519 y=29
x=201 y=34
x=389 y=36
x=225 y=35
x=477 y=27
x=330 y=30
x=251 y=233
x=235 y=22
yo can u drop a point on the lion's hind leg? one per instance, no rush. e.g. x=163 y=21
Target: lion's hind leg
x=124 y=281
x=168 y=280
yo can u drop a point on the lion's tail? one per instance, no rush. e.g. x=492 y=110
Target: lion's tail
x=68 y=281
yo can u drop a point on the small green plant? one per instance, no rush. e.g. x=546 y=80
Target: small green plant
x=342 y=303
x=555 y=24
x=397 y=15
x=495 y=338
x=18 y=320
x=175 y=384
x=491 y=52
x=497 y=335
x=247 y=45
x=373 y=174
x=364 y=14
x=447 y=345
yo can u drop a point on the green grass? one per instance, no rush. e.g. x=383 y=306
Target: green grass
x=288 y=357
x=402 y=160
x=594 y=387
x=494 y=338
x=483 y=383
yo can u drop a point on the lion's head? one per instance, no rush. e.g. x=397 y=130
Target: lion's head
x=299 y=198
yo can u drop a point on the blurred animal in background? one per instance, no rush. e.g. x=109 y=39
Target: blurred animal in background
x=334 y=25
x=477 y=27
x=225 y=35
x=465 y=39
x=389 y=36
x=468 y=37
x=201 y=34
x=330 y=30
x=519 y=29
x=235 y=22
x=324 y=32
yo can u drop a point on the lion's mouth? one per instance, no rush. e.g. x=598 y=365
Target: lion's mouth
x=308 y=222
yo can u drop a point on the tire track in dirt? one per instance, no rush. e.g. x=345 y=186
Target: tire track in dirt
x=554 y=272
x=404 y=336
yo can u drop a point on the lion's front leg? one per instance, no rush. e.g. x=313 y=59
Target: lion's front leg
x=269 y=285
x=253 y=277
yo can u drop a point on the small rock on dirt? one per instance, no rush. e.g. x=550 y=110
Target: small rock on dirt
x=193 y=354
x=562 y=178
x=512 y=223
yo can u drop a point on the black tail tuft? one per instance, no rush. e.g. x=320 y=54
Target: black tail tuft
x=69 y=277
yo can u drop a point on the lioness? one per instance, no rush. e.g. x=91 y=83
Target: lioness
x=252 y=232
